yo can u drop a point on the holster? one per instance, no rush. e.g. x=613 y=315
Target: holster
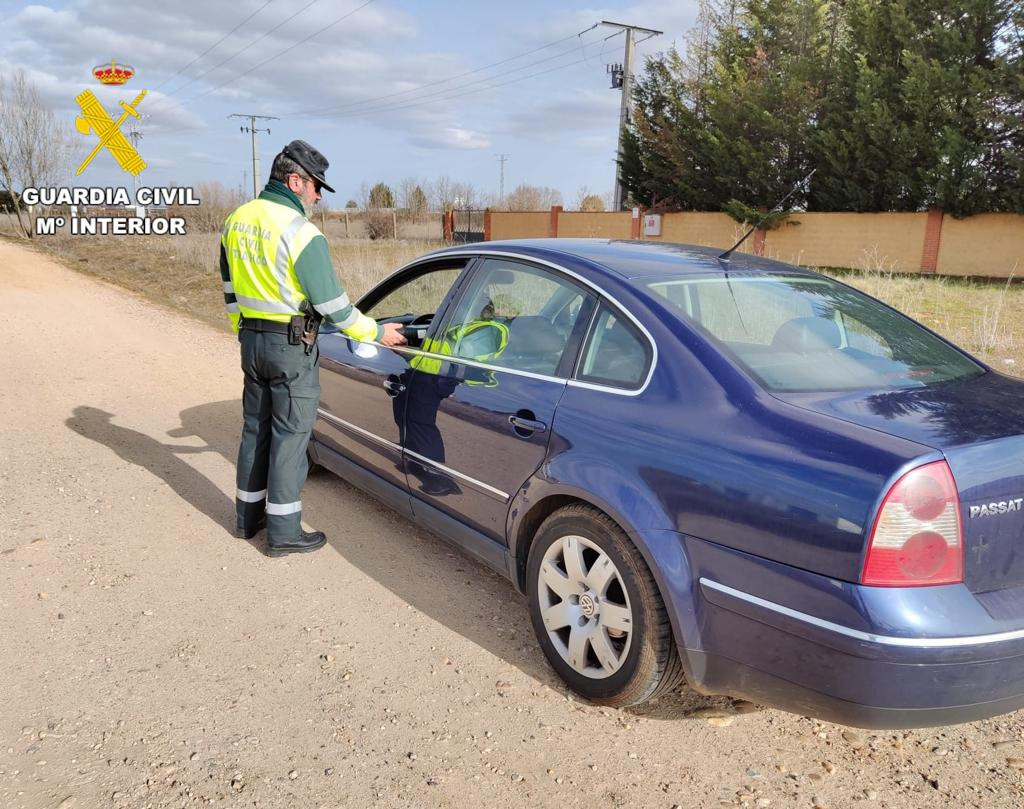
x=311 y=321
x=296 y=330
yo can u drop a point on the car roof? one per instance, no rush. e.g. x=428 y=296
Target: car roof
x=637 y=259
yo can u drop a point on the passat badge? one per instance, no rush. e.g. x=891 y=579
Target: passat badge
x=1001 y=507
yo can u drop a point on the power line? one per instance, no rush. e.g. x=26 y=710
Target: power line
x=134 y=136
x=502 y=158
x=358 y=107
x=604 y=44
x=361 y=108
x=417 y=103
x=262 y=36
x=286 y=50
x=304 y=39
x=625 y=84
x=254 y=131
x=181 y=70
x=451 y=78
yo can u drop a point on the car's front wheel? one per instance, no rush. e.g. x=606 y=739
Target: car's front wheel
x=597 y=612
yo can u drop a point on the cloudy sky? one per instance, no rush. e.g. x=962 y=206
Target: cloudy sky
x=386 y=89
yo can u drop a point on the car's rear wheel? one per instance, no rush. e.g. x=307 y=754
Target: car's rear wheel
x=597 y=612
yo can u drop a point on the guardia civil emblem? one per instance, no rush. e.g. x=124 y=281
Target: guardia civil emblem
x=95 y=119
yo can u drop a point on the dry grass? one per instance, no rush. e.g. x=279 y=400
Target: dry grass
x=979 y=316
x=362 y=263
x=181 y=272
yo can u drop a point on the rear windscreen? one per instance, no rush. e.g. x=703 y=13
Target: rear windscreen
x=797 y=333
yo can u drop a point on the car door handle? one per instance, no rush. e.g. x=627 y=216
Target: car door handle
x=393 y=388
x=524 y=424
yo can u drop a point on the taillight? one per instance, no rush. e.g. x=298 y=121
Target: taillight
x=916 y=539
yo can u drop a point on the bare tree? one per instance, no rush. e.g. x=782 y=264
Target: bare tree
x=363 y=196
x=587 y=200
x=216 y=202
x=464 y=195
x=35 y=147
x=532 y=198
x=412 y=198
x=441 y=195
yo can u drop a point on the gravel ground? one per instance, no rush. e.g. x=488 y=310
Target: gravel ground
x=152 y=660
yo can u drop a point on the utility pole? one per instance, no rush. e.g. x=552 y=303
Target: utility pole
x=502 y=158
x=134 y=135
x=622 y=77
x=252 y=129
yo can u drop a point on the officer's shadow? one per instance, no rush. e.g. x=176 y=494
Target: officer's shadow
x=458 y=592
x=162 y=460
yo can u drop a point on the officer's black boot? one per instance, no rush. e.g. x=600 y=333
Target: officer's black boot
x=307 y=541
x=249 y=531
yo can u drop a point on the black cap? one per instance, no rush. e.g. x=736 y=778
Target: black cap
x=310 y=159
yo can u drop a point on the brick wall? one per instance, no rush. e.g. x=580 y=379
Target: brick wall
x=986 y=245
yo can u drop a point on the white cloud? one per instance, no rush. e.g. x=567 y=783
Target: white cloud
x=379 y=82
x=203 y=157
x=452 y=137
x=553 y=119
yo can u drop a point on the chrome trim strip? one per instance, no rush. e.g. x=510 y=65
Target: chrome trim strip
x=476 y=364
x=619 y=307
x=459 y=475
x=473 y=481
x=342 y=423
x=867 y=637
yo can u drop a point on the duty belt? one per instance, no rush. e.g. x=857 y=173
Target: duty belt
x=259 y=324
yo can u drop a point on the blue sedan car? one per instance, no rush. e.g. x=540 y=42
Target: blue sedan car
x=737 y=473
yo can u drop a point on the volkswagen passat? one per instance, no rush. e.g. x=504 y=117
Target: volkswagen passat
x=733 y=471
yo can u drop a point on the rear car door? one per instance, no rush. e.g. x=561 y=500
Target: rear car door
x=362 y=383
x=481 y=404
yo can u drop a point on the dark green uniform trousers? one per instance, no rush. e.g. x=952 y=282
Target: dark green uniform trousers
x=279 y=401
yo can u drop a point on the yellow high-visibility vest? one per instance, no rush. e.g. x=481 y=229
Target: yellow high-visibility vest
x=447 y=344
x=261 y=240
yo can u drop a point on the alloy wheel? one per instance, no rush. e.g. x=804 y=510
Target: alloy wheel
x=584 y=606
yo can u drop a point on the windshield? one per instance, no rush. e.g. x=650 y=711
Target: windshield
x=799 y=333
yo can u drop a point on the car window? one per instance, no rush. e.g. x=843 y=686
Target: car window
x=514 y=316
x=422 y=295
x=616 y=353
x=800 y=333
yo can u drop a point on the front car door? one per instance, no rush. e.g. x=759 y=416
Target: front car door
x=363 y=383
x=480 y=404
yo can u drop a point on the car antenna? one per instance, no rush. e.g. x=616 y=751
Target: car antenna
x=724 y=258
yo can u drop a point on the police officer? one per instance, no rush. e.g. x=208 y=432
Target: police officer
x=272 y=259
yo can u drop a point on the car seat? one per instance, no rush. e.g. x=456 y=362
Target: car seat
x=534 y=344
x=803 y=335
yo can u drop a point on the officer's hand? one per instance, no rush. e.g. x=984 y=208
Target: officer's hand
x=392 y=336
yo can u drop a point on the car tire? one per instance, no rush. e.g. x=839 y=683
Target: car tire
x=607 y=635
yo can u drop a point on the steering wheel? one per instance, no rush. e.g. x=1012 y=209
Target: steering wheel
x=417 y=327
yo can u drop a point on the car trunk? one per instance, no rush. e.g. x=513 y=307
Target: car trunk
x=978 y=424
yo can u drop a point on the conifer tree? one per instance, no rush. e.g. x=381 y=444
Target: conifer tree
x=900 y=105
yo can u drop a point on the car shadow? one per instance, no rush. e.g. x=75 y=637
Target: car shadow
x=417 y=566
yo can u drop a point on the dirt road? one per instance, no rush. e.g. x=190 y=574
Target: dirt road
x=150 y=659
